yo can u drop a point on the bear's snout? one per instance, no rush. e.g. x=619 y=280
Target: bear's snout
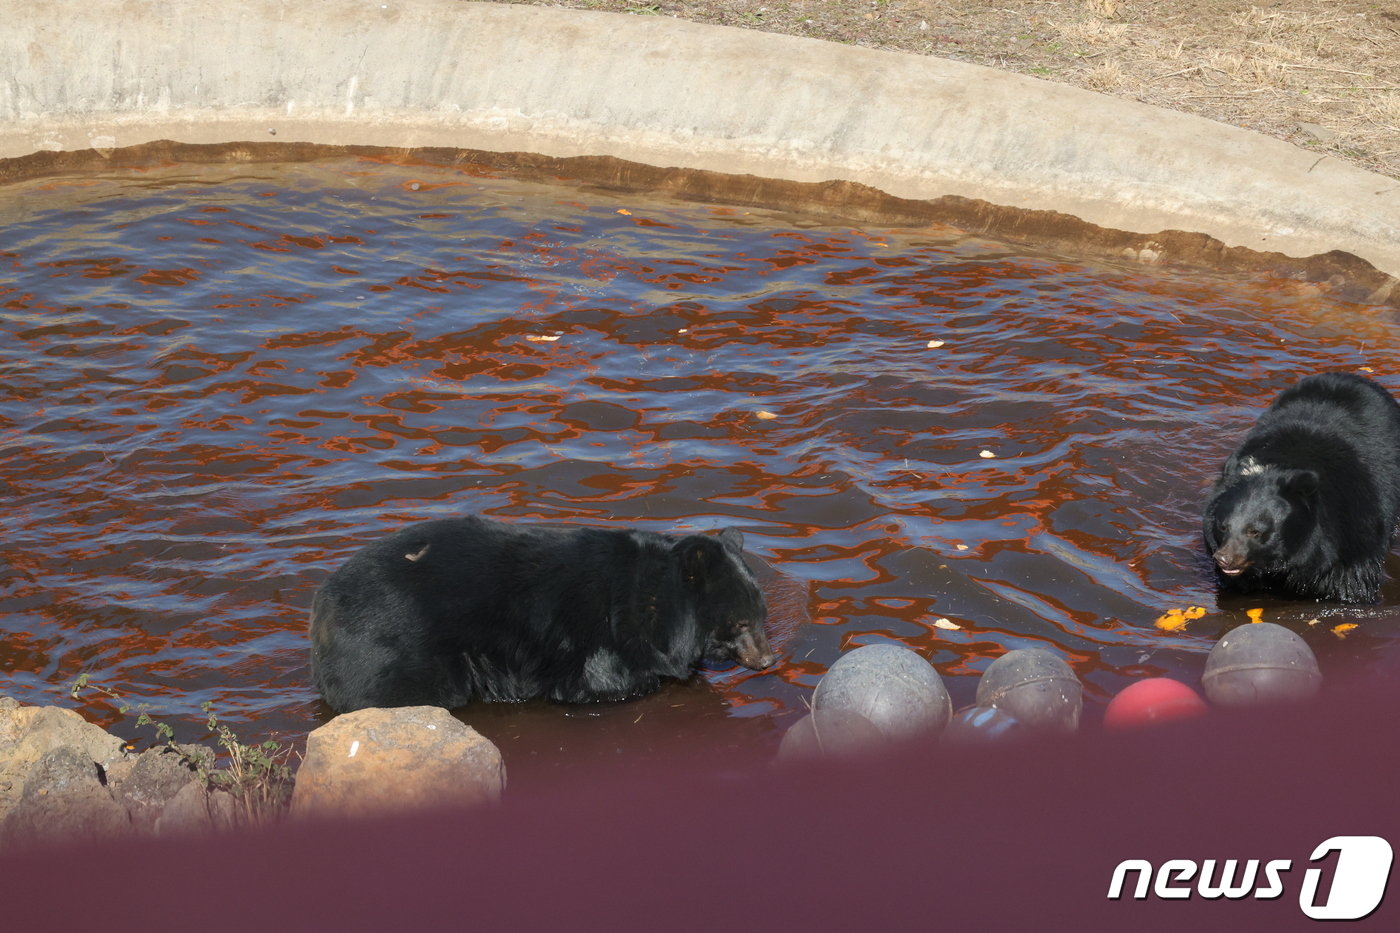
x=1231 y=558
x=752 y=650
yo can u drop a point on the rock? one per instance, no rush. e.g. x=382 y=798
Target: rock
x=27 y=733
x=33 y=730
x=1318 y=133
x=63 y=799
x=156 y=778
x=224 y=812
x=196 y=809
x=186 y=813
x=383 y=760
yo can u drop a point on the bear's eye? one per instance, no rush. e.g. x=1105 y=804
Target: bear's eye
x=1254 y=531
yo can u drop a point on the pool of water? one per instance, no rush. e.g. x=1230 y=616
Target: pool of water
x=218 y=382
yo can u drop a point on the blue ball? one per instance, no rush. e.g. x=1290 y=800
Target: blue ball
x=981 y=725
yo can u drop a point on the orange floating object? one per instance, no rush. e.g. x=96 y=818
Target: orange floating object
x=1174 y=619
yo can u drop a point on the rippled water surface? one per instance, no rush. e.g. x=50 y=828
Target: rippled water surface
x=217 y=383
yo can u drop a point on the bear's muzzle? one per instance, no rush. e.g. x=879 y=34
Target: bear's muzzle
x=751 y=649
x=1231 y=558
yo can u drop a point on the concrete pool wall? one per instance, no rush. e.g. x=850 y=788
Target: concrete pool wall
x=653 y=103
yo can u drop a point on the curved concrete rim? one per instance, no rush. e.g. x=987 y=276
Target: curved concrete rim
x=625 y=97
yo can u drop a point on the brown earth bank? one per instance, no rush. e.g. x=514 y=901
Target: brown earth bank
x=1322 y=74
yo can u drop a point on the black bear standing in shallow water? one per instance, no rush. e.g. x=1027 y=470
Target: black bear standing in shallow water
x=1306 y=507
x=461 y=609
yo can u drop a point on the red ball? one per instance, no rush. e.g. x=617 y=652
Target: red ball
x=1156 y=699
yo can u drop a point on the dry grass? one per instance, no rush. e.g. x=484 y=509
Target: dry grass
x=1306 y=75
x=1106 y=8
x=1107 y=77
x=1323 y=74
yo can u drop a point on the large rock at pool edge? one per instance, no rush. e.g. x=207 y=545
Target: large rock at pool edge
x=64 y=799
x=376 y=761
x=27 y=733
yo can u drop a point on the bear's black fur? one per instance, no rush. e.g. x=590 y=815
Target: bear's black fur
x=1307 y=506
x=450 y=611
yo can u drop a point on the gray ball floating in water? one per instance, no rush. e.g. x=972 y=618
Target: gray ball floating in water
x=1259 y=664
x=830 y=733
x=1036 y=687
x=891 y=686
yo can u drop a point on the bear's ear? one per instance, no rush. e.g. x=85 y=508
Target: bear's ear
x=698 y=556
x=1301 y=483
x=733 y=539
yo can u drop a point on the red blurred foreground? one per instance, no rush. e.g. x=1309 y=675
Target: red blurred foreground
x=904 y=842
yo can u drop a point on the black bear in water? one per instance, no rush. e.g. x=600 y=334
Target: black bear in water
x=1307 y=506
x=460 y=609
